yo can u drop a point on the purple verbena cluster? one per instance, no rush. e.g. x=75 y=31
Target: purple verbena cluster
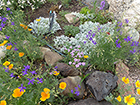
x=76 y=90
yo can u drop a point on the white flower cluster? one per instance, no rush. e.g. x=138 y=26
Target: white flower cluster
x=79 y=15
x=62 y=42
x=42 y=26
x=21 y=3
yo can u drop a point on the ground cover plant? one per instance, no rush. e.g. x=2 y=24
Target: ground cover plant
x=99 y=43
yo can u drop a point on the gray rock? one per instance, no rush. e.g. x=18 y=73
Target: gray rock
x=98 y=3
x=101 y=84
x=90 y=101
x=2 y=53
x=71 y=18
x=67 y=70
x=73 y=82
x=52 y=57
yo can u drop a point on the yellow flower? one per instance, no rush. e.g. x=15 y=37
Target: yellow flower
x=119 y=98
x=21 y=54
x=22 y=25
x=137 y=84
x=6 y=63
x=129 y=100
x=45 y=95
x=126 y=81
x=138 y=91
x=62 y=85
x=3 y=102
x=55 y=73
x=4 y=42
x=85 y=56
x=38 y=20
x=10 y=66
x=29 y=29
x=9 y=47
x=17 y=93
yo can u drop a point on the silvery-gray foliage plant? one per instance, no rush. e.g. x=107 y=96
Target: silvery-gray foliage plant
x=42 y=27
x=62 y=42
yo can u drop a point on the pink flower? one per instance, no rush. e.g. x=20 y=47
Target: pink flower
x=70 y=47
x=68 y=50
x=77 y=65
x=83 y=63
x=79 y=46
x=73 y=63
x=70 y=63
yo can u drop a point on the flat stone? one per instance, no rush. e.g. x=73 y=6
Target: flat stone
x=52 y=57
x=101 y=84
x=67 y=70
x=71 y=18
x=2 y=53
x=72 y=82
x=90 y=101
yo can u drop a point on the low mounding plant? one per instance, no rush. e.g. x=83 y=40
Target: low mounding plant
x=71 y=30
x=41 y=26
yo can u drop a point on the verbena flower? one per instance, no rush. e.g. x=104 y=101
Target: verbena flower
x=6 y=63
x=15 y=49
x=7 y=37
x=133 y=51
x=17 y=93
x=102 y=5
x=118 y=45
x=45 y=95
x=62 y=85
x=3 y=102
x=31 y=81
x=119 y=98
x=40 y=80
x=128 y=38
x=137 y=84
x=22 y=88
x=12 y=23
x=21 y=54
x=125 y=80
x=126 y=20
x=8 y=9
x=33 y=72
x=129 y=100
x=12 y=75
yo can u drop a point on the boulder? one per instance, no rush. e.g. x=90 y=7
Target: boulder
x=67 y=70
x=90 y=101
x=2 y=53
x=52 y=57
x=73 y=82
x=44 y=50
x=101 y=84
x=71 y=18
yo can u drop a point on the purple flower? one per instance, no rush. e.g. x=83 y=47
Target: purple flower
x=118 y=45
x=126 y=20
x=76 y=88
x=83 y=63
x=31 y=81
x=4 y=19
x=6 y=69
x=90 y=38
x=102 y=5
x=12 y=75
x=15 y=30
x=72 y=91
x=79 y=86
x=93 y=34
x=8 y=9
x=15 y=43
x=68 y=50
x=0 y=28
x=56 y=67
x=70 y=47
x=7 y=37
x=40 y=80
x=12 y=23
x=33 y=72
x=133 y=51
x=15 y=49
x=86 y=36
x=136 y=43
x=22 y=88
x=26 y=67
x=77 y=65
x=24 y=72
x=11 y=44
x=120 y=24
x=94 y=42
x=117 y=41
x=118 y=29
x=128 y=38
x=133 y=43
x=10 y=12
x=77 y=93
x=2 y=25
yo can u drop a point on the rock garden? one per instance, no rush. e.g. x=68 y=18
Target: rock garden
x=69 y=52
